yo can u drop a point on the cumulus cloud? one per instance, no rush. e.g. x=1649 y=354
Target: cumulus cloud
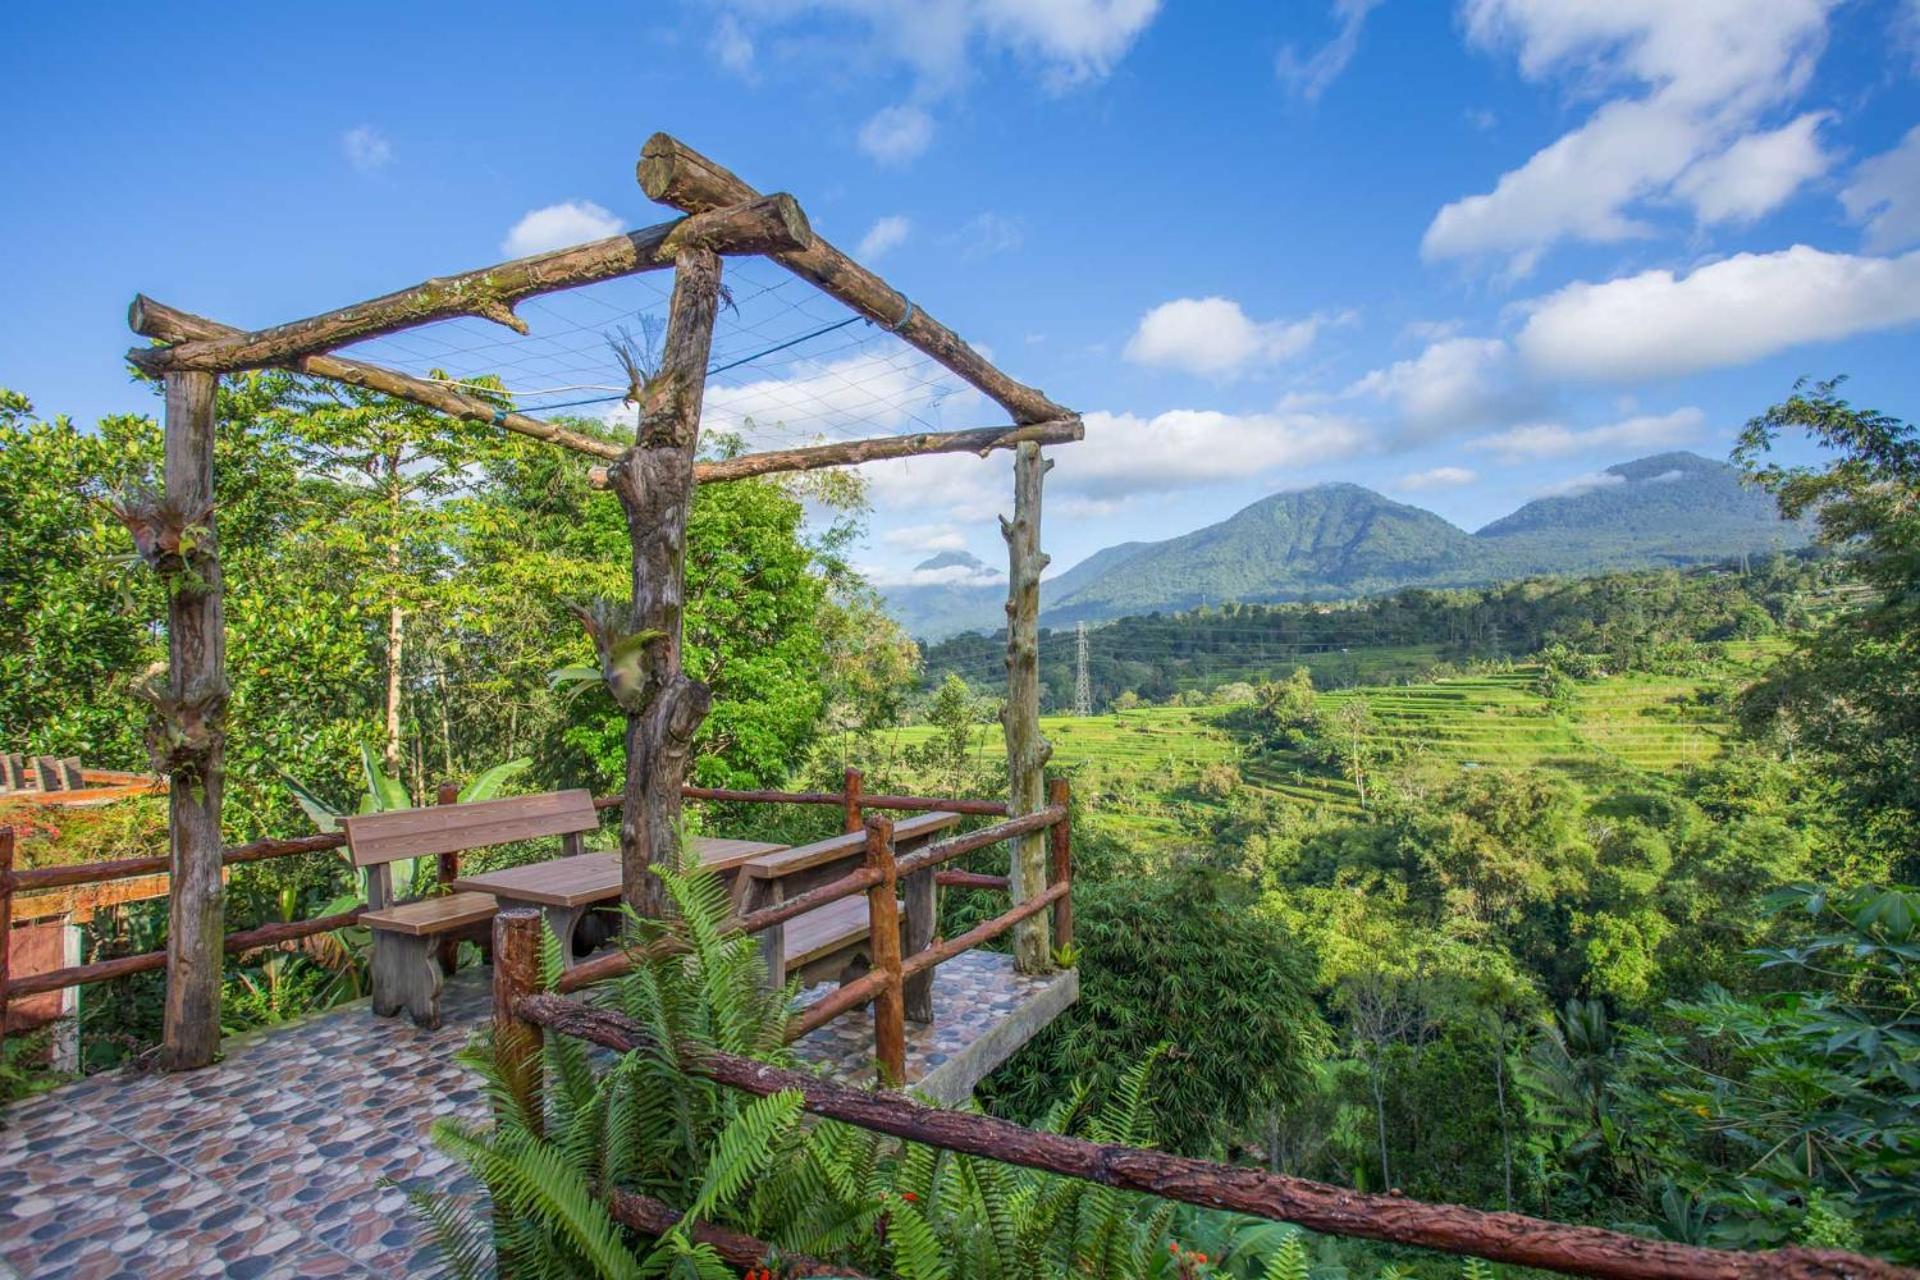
x=897 y=135
x=1436 y=478
x=366 y=149
x=1742 y=308
x=863 y=395
x=1576 y=485
x=1214 y=337
x=950 y=575
x=926 y=539
x=1758 y=173
x=1310 y=76
x=1883 y=193
x=1553 y=440
x=1126 y=454
x=1455 y=385
x=558 y=226
x=1708 y=72
x=884 y=236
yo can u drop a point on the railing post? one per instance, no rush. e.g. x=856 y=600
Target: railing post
x=516 y=973
x=447 y=872
x=883 y=925
x=850 y=800
x=6 y=925
x=1061 y=838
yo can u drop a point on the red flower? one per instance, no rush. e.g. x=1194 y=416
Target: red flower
x=909 y=1197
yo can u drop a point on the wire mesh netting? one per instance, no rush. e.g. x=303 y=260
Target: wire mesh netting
x=790 y=365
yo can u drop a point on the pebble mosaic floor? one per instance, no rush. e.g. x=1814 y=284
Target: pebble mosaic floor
x=279 y=1162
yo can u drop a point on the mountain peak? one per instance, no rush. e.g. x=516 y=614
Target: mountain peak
x=953 y=559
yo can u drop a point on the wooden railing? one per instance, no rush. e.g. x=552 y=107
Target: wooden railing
x=851 y=800
x=523 y=1016
x=884 y=986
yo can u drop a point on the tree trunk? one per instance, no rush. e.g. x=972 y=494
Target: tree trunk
x=1027 y=751
x=1380 y=1126
x=197 y=693
x=396 y=643
x=654 y=481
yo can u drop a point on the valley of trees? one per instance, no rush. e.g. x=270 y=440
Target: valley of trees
x=1676 y=997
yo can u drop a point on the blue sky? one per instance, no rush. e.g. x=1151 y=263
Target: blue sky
x=1463 y=254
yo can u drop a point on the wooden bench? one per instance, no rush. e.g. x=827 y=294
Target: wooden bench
x=830 y=944
x=409 y=963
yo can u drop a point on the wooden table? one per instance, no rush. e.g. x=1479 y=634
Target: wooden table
x=568 y=888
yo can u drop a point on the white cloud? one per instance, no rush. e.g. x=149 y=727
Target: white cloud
x=1456 y=384
x=926 y=539
x=952 y=575
x=366 y=149
x=1311 y=76
x=1214 y=337
x=731 y=45
x=1726 y=313
x=558 y=226
x=986 y=234
x=1884 y=192
x=1757 y=174
x=1125 y=454
x=1552 y=440
x=884 y=236
x=861 y=395
x=897 y=135
x=1436 y=478
x=1573 y=486
x=1708 y=71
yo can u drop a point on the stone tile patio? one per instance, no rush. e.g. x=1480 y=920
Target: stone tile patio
x=275 y=1163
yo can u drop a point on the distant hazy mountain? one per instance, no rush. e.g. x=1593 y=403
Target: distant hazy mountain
x=1341 y=540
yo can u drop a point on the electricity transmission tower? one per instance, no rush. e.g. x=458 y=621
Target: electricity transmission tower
x=1082 y=686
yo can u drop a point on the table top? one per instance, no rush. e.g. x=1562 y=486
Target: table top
x=595 y=877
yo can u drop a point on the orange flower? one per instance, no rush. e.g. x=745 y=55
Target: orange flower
x=909 y=1197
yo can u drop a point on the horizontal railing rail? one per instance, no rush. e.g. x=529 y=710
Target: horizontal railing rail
x=884 y=985
x=1512 y=1238
x=852 y=800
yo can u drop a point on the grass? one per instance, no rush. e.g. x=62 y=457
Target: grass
x=1621 y=729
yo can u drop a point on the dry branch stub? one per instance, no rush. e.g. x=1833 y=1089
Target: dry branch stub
x=1497 y=1237
x=675 y=174
x=755 y=225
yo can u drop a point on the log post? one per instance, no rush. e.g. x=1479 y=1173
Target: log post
x=921 y=889
x=1061 y=837
x=6 y=925
x=516 y=973
x=1027 y=751
x=654 y=481
x=883 y=924
x=447 y=872
x=189 y=736
x=850 y=801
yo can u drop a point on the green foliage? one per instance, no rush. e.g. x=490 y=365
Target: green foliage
x=1846 y=693
x=1176 y=957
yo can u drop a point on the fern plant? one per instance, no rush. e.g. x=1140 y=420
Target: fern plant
x=553 y=1156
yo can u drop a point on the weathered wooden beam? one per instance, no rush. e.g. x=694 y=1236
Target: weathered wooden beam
x=753 y=225
x=677 y=175
x=654 y=481
x=656 y=1217
x=1027 y=751
x=1317 y=1206
x=192 y=734
x=157 y=320
x=847 y=453
x=883 y=942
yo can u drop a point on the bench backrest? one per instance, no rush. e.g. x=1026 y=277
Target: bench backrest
x=378 y=838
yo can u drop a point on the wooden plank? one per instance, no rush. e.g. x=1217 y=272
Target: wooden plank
x=836 y=848
x=595 y=877
x=433 y=915
x=825 y=930
x=412 y=833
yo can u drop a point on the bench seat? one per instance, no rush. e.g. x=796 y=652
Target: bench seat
x=825 y=930
x=431 y=916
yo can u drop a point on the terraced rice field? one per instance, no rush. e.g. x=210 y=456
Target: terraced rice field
x=1620 y=728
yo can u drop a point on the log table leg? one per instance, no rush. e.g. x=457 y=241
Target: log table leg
x=406 y=977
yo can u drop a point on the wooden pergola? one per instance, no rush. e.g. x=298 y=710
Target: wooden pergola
x=654 y=479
